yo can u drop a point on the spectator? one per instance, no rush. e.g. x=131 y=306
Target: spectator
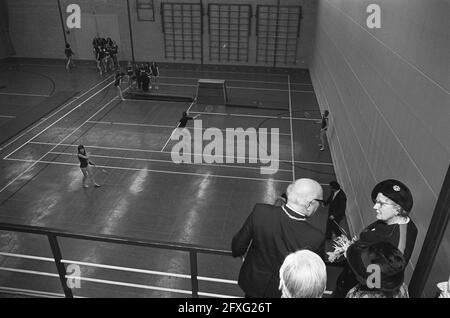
x=303 y=275
x=130 y=74
x=117 y=82
x=393 y=203
x=390 y=264
x=337 y=202
x=155 y=74
x=141 y=75
x=114 y=52
x=101 y=56
x=271 y=233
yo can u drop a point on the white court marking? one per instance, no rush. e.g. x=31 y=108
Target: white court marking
x=62 y=108
x=237 y=80
x=31 y=166
x=24 y=94
x=160 y=126
x=167 y=161
x=168 y=152
x=248 y=88
x=7 y=116
x=256 y=116
x=34 y=162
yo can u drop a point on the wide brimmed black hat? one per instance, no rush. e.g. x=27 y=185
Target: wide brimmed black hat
x=396 y=191
x=389 y=259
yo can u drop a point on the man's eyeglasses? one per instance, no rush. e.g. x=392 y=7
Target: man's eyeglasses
x=321 y=202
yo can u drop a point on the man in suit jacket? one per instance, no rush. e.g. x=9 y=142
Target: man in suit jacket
x=337 y=202
x=271 y=233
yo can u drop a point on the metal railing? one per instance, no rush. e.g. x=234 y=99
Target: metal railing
x=54 y=234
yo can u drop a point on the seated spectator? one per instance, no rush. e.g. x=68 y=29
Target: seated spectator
x=303 y=275
x=391 y=264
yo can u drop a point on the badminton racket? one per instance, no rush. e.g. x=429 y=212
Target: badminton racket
x=103 y=170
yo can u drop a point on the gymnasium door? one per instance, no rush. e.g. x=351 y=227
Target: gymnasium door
x=103 y=25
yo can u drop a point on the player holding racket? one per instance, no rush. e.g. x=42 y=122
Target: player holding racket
x=323 y=129
x=84 y=166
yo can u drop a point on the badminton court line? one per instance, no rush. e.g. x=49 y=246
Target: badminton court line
x=292 y=129
x=236 y=80
x=53 y=114
x=235 y=87
x=166 y=126
x=34 y=162
x=256 y=116
x=24 y=94
x=170 y=161
x=54 y=147
x=68 y=113
x=190 y=71
x=169 y=152
x=173 y=131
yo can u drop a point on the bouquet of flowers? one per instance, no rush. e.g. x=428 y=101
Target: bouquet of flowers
x=341 y=244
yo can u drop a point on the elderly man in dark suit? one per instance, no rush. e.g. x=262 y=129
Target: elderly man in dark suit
x=337 y=202
x=271 y=233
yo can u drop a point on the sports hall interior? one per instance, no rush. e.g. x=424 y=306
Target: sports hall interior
x=156 y=228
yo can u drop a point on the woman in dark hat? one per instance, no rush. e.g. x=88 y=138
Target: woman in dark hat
x=393 y=203
x=379 y=268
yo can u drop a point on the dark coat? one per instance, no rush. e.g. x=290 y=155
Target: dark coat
x=269 y=235
x=337 y=206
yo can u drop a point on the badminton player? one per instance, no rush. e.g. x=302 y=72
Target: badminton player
x=69 y=55
x=183 y=121
x=323 y=129
x=84 y=166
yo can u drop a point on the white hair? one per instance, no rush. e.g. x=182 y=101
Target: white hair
x=303 y=275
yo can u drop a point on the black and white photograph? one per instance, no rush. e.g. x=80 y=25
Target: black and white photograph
x=224 y=154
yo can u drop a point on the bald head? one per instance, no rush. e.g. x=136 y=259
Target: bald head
x=302 y=193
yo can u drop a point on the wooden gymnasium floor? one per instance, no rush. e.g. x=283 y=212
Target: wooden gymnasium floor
x=143 y=194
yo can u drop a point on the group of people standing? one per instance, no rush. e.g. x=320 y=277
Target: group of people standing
x=143 y=76
x=280 y=246
x=105 y=51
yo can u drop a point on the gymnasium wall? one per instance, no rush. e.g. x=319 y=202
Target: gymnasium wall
x=6 y=48
x=37 y=32
x=387 y=92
